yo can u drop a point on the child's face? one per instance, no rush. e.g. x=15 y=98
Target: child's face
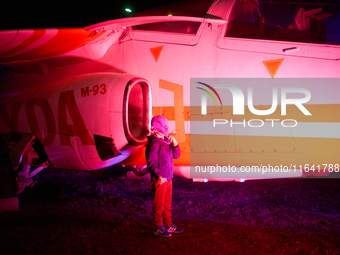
x=160 y=124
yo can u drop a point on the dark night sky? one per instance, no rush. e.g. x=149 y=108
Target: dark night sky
x=76 y=13
x=71 y=13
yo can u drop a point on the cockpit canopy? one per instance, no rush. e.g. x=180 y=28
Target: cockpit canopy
x=251 y=19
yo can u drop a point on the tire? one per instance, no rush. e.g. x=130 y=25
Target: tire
x=6 y=186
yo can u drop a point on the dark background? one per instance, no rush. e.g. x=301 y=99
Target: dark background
x=75 y=13
x=72 y=13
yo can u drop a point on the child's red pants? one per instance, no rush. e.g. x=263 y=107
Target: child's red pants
x=162 y=215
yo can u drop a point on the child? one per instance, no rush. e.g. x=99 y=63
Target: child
x=160 y=152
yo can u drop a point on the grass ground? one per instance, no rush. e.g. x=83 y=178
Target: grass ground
x=103 y=212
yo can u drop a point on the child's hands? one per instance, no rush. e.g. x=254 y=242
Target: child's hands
x=173 y=140
x=161 y=180
x=170 y=138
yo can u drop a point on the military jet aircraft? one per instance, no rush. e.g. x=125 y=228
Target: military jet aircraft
x=83 y=98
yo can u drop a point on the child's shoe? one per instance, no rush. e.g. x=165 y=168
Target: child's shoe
x=162 y=231
x=174 y=229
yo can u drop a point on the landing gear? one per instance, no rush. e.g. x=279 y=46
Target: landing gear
x=24 y=177
x=22 y=156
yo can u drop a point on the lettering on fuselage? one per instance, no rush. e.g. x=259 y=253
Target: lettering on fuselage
x=66 y=106
x=85 y=92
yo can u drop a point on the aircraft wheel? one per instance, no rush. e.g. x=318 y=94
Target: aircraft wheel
x=6 y=187
x=139 y=170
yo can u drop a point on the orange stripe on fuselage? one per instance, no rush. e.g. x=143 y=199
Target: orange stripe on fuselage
x=37 y=34
x=239 y=149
